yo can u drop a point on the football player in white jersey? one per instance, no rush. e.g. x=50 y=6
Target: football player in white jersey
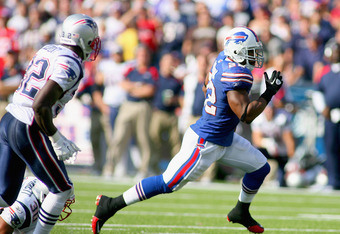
x=28 y=136
x=22 y=216
x=213 y=138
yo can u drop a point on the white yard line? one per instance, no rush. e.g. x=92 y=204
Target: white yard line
x=109 y=227
x=302 y=216
x=209 y=186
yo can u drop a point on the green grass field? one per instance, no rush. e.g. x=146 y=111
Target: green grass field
x=202 y=208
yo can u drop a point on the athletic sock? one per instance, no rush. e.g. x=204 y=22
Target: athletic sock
x=146 y=189
x=50 y=211
x=252 y=182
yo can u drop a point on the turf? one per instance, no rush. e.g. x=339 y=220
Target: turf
x=202 y=208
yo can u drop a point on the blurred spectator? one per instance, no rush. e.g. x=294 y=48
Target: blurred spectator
x=216 y=7
x=10 y=78
x=323 y=67
x=110 y=73
x=272 y=45
x=203 y=34
x=228 y=24
x=279 y=27
x=305 y=49
x=18 y=21
x=31 y=37
x=97 y=136
x=110 y=95
x=335 y=14
x=128 y=39
x=134 y=115
x=114 y=24
x=164 y=133
x=321 y=27
x=8 y=36
x=241 y=11
x=261 y=18
x=175 y=24
x=187 y=7
x=147 y=26
x=198 y=95
x=272 y=135
x=329 y=106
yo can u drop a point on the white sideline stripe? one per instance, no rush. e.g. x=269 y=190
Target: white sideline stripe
x=308 y=217
x=320 y=216
x=84 y=179
x=218 y=186
x=195 y=227
x=226 y=208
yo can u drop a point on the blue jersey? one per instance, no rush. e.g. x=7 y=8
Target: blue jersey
x=165 y=85
x=329 y=86
x=148 y=76
x=218 y=121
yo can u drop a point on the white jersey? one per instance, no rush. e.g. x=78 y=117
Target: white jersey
x=54 y=62
x=272 y=130
x=23 y=214
x=113 y=73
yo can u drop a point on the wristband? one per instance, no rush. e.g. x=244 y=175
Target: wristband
x=243 y=117
x=267 y=96
x=55 y=137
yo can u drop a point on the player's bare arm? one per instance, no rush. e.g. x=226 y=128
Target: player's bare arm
x=244 y=109
x=42 y=106
x=4 y=227
x=247 y=110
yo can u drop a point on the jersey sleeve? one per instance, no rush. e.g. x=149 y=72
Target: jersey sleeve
x=67 y=72
x=235 y=77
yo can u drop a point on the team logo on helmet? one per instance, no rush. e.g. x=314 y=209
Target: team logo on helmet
x=87 y=22
x=237 y=38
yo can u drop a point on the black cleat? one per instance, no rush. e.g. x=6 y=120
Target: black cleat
x=106 y=208
x=240 y=214
x=102 y=213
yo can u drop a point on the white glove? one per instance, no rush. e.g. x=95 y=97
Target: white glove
x=64 y=148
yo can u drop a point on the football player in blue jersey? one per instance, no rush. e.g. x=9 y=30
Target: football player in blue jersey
x=28 y=136
x=213 y=138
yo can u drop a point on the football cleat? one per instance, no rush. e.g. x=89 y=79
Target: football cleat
x=242 y=216
x=96 y=224
x=106 y=208
x=97 y=220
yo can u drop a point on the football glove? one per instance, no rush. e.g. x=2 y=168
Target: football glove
x=272 y=85
x=64 y=148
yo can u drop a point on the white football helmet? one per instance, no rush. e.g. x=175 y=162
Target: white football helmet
x=244 y=47
x=81 y=30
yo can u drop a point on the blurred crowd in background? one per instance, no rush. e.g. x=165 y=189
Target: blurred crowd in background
x=175 y=42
